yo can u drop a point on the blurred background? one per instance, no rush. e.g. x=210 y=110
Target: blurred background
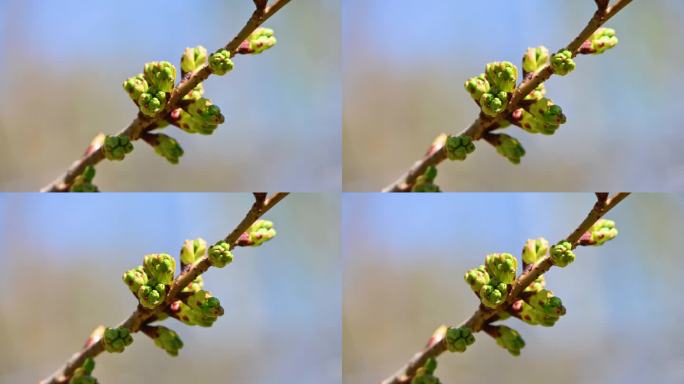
x=404 y=67
x=63 y=63
x=404 y=258
x=60 y=277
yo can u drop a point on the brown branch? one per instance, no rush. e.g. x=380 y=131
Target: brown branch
x=141 y=316
x=480 y=318
x=485 y=123
x=143 y=123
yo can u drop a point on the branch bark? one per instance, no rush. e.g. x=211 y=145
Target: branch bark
x=476 y=322
x=485 y=123
x=141 y=316
x=142 y=123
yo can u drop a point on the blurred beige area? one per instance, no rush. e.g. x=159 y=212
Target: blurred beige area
x=403 y=277
x=60 y=277
x=60 y=85
x=403 y=86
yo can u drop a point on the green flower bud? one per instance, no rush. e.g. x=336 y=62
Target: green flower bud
x=493 y=103
x=535 y=58
x=160 y=75
x=534 y=250
x=548 y=112
x=135 y=86
x=602 y=40
x=135 y=278
x=84 y=181
x=562 y=62
x=204 y=110
x=196 y=93
x=502 y=75
x=116 y=339
x=510 y=148
x=151 y=295
x=535 y=124
x=501 y=267
x=192 y=124
x=168 y=148
x=536 y=93
x=168 y=340
x=220 y=62
x=458 y=147
x=160 y=267
x=195 y=286
x=220 y=255
x=258 y=233
x=476 y=86
x=201 y=309
x=425 y=182
x=537 y=285
x=476 y=278
x=152 y=102
x=545 y=302
x=82 y=374
x=193 y=58
x=458 y=339
x=493 y=294
x=193 y=250
x=205 y=303
x=561 y=254
x=116 y=147
x=602 y=231
x=533 y=316
x=258 y=41
x=510 y=340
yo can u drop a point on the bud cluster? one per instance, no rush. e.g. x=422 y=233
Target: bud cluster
x=426 y=373
x=83 y=374
x=426 y=181
x=149 y=281
x=258 y=233
x=492 y=280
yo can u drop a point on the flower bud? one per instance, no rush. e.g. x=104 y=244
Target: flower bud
x=220 y=255
x=116 y=339
x=493 y=294
x=160 y=267
x=476 y=86
x=83 y=374
x=135 y=278
x=193 y=58
x=493 y=103
x=160 y=75
x=135 y=86
x=167 y=340
x=167 y=147
x=501 y=267
x=195 y=286
x=545 y=302
x=562 y=62
x=510 y=148
x=258 y=233
x=476 y=278
x=510 y=339
x=535 y=58
x=204 y=110
x=220 y=62
x=458 y=147
x=425 y=182
x=84 y=181
x=151 y=103
x=602 y=231
x=537 y=285
x=502 y=75
x=116 y=147
x=196 y=93
x=193 y=250
x=561 y=254
x=548 y=112
x=151 y=295
x=602 y=40
x=534 y=250
x=458 y=339
x=536 y=93
x=258 y=41
x=192 y=124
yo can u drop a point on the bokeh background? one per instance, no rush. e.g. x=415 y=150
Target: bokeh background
x=63 y=63
x=60 y=277
x=404 y=66
x=404 y=258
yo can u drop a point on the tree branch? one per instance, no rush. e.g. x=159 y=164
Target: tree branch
x=142 y=123
x=437 y=344
x=141 y=316
x=485 y=123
